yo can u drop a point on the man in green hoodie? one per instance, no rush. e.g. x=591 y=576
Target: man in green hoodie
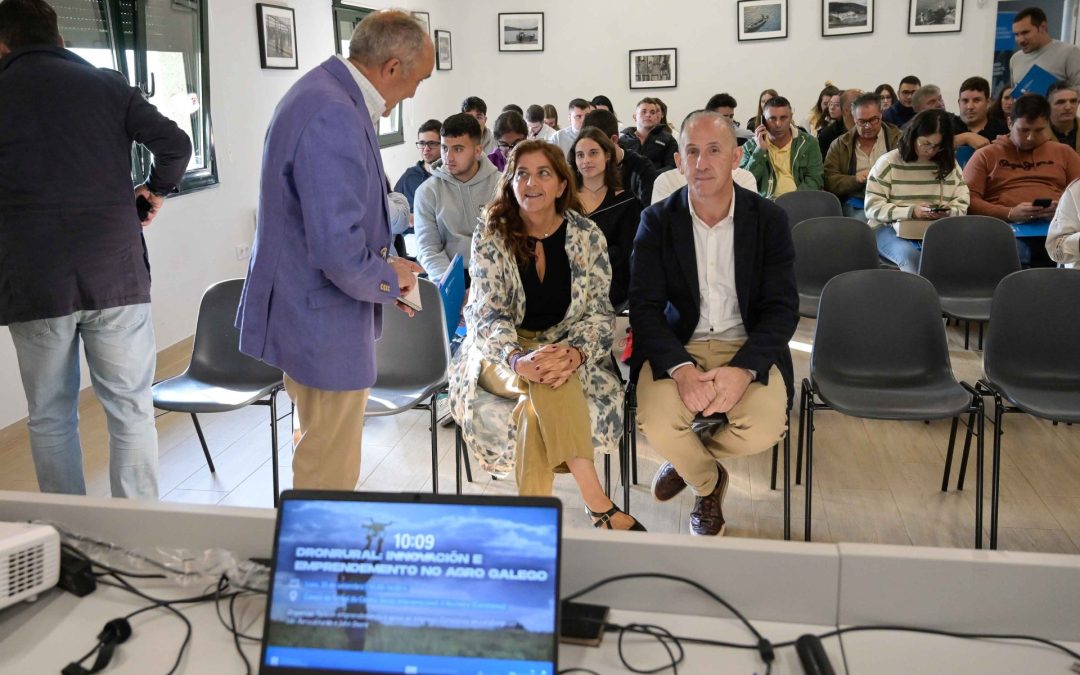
x=781 y=158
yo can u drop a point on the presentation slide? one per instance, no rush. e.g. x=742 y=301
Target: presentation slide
x=414 y=588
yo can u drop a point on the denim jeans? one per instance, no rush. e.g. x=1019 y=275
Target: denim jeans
x=900 y=252
x=120 y=352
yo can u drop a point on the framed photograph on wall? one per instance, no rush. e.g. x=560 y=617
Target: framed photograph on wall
x=277 y=36
x=935 y=16
x=654 y=68
x=846 y=17
x=761 y=19
x=424 y=18
x=444 y=52
x=521 y=32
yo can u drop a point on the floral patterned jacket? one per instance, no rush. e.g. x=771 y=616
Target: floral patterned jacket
x=497 y=307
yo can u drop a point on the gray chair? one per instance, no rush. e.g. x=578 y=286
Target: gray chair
x=806 y=204
x=411 y=359
x=219 y=378
x=965 y=257
x=1030 y=360
x=880 y=352
x=826 y=247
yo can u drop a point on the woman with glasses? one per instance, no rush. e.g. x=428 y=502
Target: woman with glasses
x=510 y=129
x=887 y=95
x=918 y=181
x=819 y=117
x=615 y=211
x=540 y=330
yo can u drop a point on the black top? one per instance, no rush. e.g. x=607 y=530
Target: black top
x=830 y=133
x=990 y=132
x=546 y=301
x=70 y=237
x=1068 y=139
x=618 y=217
x=638 y=175
x=659 y=146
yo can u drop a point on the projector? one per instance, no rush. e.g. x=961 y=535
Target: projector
x=29 y=561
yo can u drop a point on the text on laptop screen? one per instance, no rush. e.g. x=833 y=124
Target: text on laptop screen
x=378 y=587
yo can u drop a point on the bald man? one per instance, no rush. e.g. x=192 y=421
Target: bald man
x=708 y=340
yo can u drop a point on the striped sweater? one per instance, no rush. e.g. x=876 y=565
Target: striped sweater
x=894 y=187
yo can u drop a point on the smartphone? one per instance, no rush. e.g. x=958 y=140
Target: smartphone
x=939 y=209
x=143 y=206
x=1043 y=203
x=582 y=624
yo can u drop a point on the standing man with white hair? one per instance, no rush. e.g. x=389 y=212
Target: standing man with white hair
x=320 y=270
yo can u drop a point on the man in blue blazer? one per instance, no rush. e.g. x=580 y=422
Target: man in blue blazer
x=320 y=270
x=712 y=305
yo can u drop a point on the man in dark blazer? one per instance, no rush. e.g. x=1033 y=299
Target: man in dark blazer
x=73 y=264
x=712 y=305
x=320 y=269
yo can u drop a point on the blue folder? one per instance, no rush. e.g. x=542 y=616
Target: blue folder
x=1035 y=81
x=452 y=290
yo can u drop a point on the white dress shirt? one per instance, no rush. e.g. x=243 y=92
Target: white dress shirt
x=374 y=101
x=714 y=250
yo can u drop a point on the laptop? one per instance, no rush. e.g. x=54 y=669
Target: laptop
x=413 y=583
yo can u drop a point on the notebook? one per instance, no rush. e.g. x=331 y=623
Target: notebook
x=413 y=583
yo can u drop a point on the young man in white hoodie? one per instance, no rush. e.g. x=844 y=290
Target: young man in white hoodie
x=447 y=206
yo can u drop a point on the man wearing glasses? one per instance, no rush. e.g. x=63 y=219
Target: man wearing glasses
x=428 y=143
x=853 y=154
x=447 y=207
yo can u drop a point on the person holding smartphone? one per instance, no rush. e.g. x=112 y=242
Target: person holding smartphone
x=919 y=180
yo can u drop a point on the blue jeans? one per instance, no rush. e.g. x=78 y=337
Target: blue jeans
x=900 y=252
x=852 y=212
x=120 y=351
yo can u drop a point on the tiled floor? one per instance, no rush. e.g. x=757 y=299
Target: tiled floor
x=874 y=481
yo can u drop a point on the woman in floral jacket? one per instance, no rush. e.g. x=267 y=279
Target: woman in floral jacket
x=540 y=330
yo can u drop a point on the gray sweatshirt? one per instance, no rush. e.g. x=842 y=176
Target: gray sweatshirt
x=1060 y=59
x=445 y=214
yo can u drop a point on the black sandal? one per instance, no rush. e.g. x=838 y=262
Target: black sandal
x=604 y=519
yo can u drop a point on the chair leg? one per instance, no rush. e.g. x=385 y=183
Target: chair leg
x=775 y=461
x=607 y=475
x=624 y=467
x=967 y=331
x=202 y=441
x=274 y=444
x=967 y=451
x=949 y=454
x=979 y=452
x=995 y=475
x=787 y=480
x=633 y=446
x=457 y=459
x=809 y=465
x=799 y=446
x=981 y=326
x=434 y=444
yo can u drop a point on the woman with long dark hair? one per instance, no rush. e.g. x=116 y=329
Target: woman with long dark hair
x=887 y=95
x=919 y=180
x=1002 y=106
x=615 y=211
x=763 y=98
x=540 y=330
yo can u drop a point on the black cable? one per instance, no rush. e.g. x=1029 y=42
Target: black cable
x=568 y=671
x=661 y=634
x=236 y=635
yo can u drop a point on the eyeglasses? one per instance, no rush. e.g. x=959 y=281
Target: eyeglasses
x=927 y=145
x=868 y=123
x=508 y=146
x=428 y=144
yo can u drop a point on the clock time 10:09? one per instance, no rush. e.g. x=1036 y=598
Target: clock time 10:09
x=419 y=542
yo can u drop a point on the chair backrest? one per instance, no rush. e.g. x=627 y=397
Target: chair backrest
x=413 y=351
x=825 y=247
x=805 y=204
x=216 y=355
x=1034 y=336
x=879 y=326
x=968 y=255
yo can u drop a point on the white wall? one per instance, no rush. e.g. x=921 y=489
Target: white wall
x=192 y=243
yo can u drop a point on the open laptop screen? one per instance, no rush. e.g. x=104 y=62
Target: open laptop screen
x=401 y=583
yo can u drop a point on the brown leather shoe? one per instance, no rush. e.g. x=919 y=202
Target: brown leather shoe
x=707 y=516
x=667 y=483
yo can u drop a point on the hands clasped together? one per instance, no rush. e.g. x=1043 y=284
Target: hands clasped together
x=712 y=391
x=551 y=364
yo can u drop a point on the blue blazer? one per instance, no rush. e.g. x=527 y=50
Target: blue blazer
x=318 y=273
x=665 y=297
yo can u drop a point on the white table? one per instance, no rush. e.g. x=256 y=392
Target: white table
x=785 y=588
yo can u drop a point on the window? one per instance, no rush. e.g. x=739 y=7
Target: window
x=160 y=46
x=345 y=20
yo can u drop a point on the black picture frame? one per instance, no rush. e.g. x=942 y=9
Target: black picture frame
x=654 y=68
x=527 y=38
x=922 y=21
x=747 y=27
x=838 y=22
x=277 y=37
x=444 y=60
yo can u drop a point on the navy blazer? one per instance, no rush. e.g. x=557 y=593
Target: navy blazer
x=665 y=296
x=318 y=275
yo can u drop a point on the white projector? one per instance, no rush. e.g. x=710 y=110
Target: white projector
x=29 y=561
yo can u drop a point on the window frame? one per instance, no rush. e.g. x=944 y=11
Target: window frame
x=339 y=7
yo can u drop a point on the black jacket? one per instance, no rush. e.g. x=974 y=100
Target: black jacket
x=659 y=146
x=665 y=297
x=618 y=217
x=70 y=237
x=638 y=175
